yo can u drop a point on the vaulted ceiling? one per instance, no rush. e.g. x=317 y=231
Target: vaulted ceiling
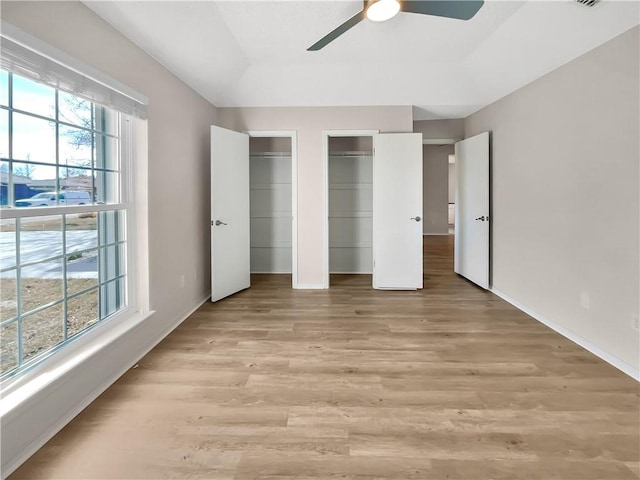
x=253 y=53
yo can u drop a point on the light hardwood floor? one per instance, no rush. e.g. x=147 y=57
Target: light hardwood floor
x=447 y=383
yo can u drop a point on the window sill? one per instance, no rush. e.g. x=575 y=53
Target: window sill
x=15 y=391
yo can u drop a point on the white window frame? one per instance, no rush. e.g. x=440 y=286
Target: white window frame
x=52 y=365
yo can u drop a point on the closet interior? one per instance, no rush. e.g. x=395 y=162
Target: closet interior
x=270 y=178
x=350 y=205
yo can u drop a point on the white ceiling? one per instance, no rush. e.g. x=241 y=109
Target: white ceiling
x=242 y=53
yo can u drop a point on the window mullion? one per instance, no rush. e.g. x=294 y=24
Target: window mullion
x=10 y=188
x=57 y=129
x=19 y=294
x=94 y=139
x=64 y=278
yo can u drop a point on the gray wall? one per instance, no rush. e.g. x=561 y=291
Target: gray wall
x=440 y=129
x=436 y=173
x=435 y=194
x=565 y=195
x=269 y=144
x=350 y=144
x=179 y=212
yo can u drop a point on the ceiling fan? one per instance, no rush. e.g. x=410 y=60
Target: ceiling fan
x=381 y=10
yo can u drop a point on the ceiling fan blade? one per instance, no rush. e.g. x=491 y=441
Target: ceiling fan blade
x=462 y=10
x=324 y=41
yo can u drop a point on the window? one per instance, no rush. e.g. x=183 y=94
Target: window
x=65 y=216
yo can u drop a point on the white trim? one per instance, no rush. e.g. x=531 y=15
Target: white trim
x=138 y=244
x=435 y=234
x=59 y=397
x=586 y=344
x=326 y=134
x=310 y=286
x=128 y=174
x=19 y=388
x=293 y=134
x=440 y=141
x=33 y=43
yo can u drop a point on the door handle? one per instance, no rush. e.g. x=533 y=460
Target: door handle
x=218 y=223
x=482 y=218
x=417 y=219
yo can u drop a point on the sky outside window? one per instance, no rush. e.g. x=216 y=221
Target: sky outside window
x=34 y=136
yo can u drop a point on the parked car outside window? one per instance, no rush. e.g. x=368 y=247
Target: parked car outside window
x=47 y=199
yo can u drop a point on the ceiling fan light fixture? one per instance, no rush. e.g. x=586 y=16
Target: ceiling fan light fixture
x=381 y=10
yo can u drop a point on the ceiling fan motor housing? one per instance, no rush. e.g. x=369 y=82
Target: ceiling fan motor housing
x=588 y=3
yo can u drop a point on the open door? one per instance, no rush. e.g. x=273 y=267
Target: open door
x=471 y=251
x=397 y=211
x=230 y=246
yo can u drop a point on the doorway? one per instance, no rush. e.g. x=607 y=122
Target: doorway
x=453 y=187
x=272 y=203
x=392 y=252
x=350 y=198
x=456 y=201
x=348 y=188
x=274 y=188
x=438 y=190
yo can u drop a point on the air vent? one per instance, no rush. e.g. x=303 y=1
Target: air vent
x=587 y=3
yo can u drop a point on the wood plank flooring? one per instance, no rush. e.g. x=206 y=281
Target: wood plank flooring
x=351 y=383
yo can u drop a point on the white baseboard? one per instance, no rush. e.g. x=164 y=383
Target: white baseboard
x=434 y=234
x=310 y=286
x=64 y=398
x=597 y=351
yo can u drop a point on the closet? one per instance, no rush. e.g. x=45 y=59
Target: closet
x=350 y=205
x=270 y=177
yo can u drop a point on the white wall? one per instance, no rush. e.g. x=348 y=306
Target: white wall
x=178 y=195
x=435 y=189
x=565 y=153
x=310 y=123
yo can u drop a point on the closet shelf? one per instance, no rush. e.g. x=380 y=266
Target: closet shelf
x=270 y=154
x=351 y=154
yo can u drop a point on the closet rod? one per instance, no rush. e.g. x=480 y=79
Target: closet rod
x=270 y=154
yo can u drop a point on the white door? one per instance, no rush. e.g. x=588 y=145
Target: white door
x=230 y=247
x=397 y=211
x=471 y=254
